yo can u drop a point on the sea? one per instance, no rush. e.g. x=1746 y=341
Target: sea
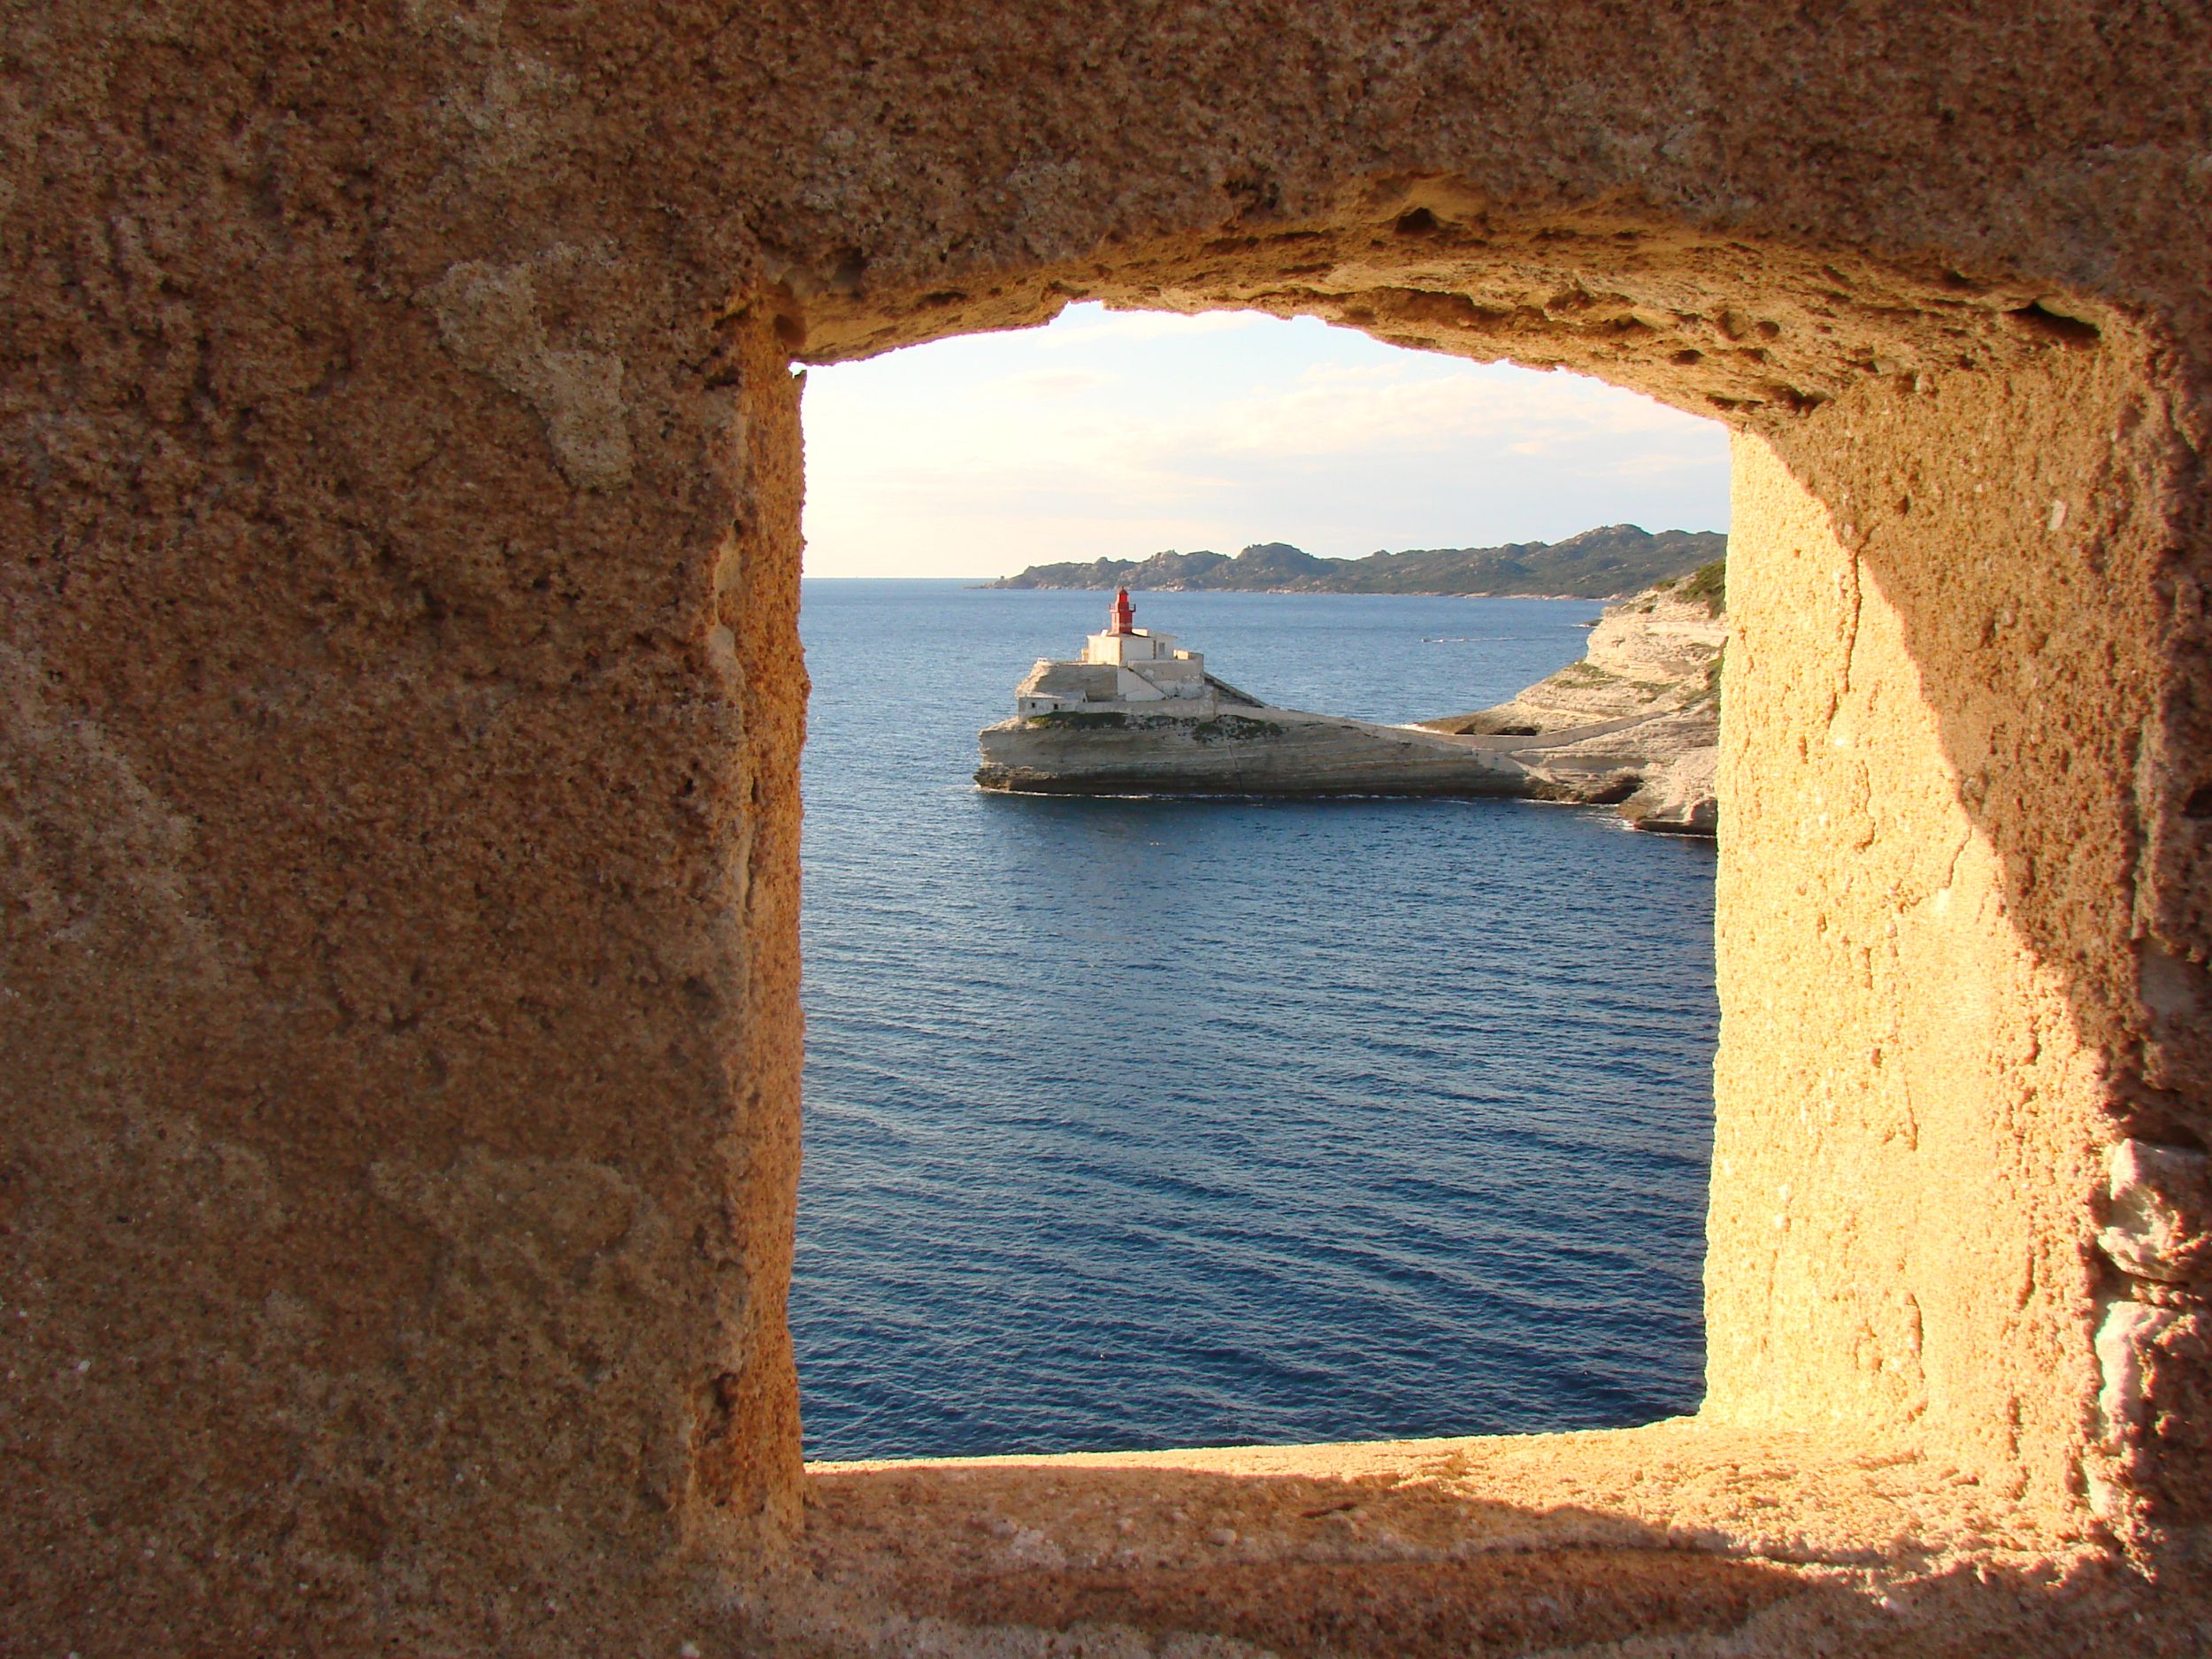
x=1138 y=1123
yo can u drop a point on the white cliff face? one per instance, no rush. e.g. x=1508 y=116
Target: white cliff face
x=1658 y=638
x=1234 y=748
x=1653 y=655
x=1637 y=721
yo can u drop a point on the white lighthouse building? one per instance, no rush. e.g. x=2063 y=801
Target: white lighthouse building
x=1125 y=666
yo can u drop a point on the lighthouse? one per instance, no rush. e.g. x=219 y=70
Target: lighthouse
x=1164 y=670
x=1125 y=667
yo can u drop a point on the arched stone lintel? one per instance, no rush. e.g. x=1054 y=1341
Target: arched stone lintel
x=1755 y=334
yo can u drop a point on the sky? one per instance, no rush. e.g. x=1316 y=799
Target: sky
x=1116 y=434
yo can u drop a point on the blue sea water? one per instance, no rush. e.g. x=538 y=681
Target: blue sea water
x=1146 y=1123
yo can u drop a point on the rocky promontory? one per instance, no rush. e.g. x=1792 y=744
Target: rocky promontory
x=1634 y=725
x=1244 y=749
x=1637 y=721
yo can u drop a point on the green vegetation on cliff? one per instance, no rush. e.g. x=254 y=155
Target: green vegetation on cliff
x=1601 y=564
x=1706 y=584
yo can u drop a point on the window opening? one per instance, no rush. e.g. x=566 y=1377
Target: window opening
x=1145 y=1122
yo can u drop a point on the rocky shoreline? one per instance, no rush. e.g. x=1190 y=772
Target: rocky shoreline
x=1637 y=721
x=1634 y=725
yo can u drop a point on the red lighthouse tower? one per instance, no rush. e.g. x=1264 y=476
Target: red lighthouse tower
x=1123 y=619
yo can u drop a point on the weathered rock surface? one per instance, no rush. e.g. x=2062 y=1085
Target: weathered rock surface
x=1256 y=748
x=399 y=1125
x=1257 y=751
x=2160 y=1224
x=1651 y=680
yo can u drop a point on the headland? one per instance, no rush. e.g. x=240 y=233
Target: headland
x=1606 y=563
x=1634 y=725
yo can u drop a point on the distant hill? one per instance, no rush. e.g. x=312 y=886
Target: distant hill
x=1607 y=563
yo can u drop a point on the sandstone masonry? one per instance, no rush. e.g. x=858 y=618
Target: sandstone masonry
x=399 y=797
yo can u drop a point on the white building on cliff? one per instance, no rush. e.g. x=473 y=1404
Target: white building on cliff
x=1125 y=666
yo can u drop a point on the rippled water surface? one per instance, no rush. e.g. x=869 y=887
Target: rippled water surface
x=1141 y=1123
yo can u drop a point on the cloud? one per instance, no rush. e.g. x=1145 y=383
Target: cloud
x=1352 y=373
x=1081 y=326
x=1056 y=383
x=1077 y=441
x=1434 y=413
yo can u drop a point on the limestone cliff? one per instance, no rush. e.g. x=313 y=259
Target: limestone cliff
x=1633 y=724
x=1257 y=748
x=1254 y=750
x=1637 y=721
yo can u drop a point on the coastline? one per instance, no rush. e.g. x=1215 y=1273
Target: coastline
x=1633 y=724
x=1300 y=593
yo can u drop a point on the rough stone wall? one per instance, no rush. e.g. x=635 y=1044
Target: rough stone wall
x=1960 y=661
x=398 y=789
x=399 y=795
x=1911 y=1125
